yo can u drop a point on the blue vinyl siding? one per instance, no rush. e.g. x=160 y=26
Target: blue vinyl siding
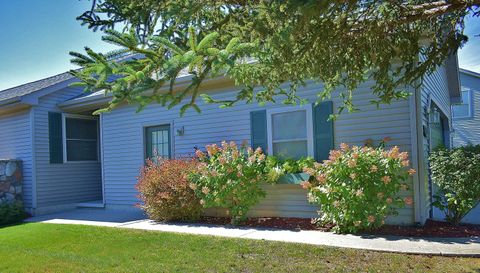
x=16 y=143
x=64 y=183
x=123 y=142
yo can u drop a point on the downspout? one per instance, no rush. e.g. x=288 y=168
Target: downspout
x=34 y=161
x=102 y=159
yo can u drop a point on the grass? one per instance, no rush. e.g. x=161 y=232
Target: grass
x=74 y=248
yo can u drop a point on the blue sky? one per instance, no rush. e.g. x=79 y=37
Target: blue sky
x=36 y=36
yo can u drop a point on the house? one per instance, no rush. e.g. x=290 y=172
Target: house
x=73 y=158
x=466 y=121
x=466 y=115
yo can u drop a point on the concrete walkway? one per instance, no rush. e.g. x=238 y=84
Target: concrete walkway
x=136 y=220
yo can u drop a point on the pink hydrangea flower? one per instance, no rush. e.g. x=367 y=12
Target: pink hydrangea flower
x=344 y=146
x=322 y=178
x=408 y=201
x=386 y=179
x=306 y=184
x=352 y=163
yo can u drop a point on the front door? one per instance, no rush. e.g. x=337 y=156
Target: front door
x=158 y=142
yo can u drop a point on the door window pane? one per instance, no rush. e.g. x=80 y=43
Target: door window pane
x=158 y=142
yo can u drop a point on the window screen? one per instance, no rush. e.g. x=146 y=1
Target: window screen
x=81 y=139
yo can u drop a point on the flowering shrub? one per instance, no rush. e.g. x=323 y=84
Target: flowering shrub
x=457 y=174
x=357 y=187
x=165 y=192
x=230 y=177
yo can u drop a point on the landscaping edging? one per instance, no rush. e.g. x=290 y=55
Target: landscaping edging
x=10 y=181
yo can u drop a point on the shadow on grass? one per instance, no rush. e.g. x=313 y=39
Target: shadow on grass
x=13 y=224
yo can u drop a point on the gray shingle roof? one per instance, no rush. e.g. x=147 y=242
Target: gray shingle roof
x=32 y=87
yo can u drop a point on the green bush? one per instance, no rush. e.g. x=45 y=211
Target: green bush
x=357 y=187
x=230 y=177
x=289 y=165
x=165 y=191
x=457 y=174
x=11 y=213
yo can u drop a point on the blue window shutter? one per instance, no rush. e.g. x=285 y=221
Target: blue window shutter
x=258 y=129
x=322 y=130
x=55 y=140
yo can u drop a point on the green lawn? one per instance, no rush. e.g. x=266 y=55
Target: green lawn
x=71 y=248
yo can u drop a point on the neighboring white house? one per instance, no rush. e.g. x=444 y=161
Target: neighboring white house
x=76 y=159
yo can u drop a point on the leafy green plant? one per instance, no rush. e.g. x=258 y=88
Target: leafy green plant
x=374 y=42
x=165 y=192
x=457 y=174
x=357 y=187
x=230 y=177
x=11 y=213
x=290 y=165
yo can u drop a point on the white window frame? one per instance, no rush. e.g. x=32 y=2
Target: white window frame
x=64 y=137
x=469 y=96
x=309 y=120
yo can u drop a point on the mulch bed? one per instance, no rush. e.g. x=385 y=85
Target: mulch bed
x=430 y=229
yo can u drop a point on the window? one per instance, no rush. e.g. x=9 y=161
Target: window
x=290 y=132
x=463 y=109
x=157 y=142
x=81 y=138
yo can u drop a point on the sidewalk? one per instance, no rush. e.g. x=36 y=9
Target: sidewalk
x=135 y=220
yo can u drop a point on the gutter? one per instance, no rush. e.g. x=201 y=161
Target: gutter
x=10 y=101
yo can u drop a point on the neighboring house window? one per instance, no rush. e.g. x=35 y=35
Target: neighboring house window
x=464 y=109
x=81 y=138
x=157 y=142
x=290 y=132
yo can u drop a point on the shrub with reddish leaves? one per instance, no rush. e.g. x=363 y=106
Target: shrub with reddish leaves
x=165 y=192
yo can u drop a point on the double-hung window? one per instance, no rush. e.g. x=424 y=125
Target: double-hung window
x=464 y=109
x=290 y=132
x=80 y=138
